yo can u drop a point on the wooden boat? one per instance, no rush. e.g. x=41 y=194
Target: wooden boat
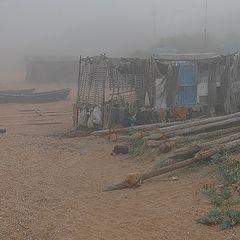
x=41 y=97
x=21 y=91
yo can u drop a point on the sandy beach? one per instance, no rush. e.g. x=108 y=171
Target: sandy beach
x=51 y=186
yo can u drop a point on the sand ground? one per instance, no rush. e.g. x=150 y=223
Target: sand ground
x=51 y=187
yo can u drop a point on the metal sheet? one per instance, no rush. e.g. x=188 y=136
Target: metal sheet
x=187 y=79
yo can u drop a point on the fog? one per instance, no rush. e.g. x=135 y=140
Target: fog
x=117 y=28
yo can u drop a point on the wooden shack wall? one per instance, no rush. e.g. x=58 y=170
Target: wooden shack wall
x=212 y=86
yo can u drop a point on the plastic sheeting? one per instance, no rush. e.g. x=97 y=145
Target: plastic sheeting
x=161 y=94
x=83 y=118
x=95 y=118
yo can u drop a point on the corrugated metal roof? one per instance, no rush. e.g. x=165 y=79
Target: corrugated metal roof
x=185 y=57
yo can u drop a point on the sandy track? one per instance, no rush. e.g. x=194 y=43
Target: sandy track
x=51 y=188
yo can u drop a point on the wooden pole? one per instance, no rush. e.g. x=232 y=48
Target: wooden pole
x=170 y=127
x=212 y=87
x=78 y=87
x=202 y=128
x=170 y=132
x=191 y=150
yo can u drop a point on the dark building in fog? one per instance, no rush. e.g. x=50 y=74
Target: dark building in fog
x=51 y=69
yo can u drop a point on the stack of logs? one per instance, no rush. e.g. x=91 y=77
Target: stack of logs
x=210 y=136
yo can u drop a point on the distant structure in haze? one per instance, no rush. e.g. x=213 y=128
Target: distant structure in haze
x=51 y=69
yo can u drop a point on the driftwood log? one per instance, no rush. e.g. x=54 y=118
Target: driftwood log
x=196 y=137
x=202 y=128
x=200 y=156
x=176 y=136
x=191 y=150
x=188 y=129
x=213 y=134
x=148 y=127
x=180 y=140
x=169 y=127
x=198 y=123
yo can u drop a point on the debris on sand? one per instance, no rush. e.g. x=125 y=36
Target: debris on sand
x=3 y=130
x=119 y=150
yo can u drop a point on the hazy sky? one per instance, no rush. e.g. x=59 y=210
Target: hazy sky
x=116 y=27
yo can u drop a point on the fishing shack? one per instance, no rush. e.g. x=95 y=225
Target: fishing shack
x=117 y=86
x=165 y=87
x=204 y=82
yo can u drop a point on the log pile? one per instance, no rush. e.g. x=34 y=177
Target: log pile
x=201 y=140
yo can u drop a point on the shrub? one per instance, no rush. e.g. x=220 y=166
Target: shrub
x=230 y=219
x=213 y=217
x=227 y=219
x=217 y=195
x=137 y=147
x=228 y=168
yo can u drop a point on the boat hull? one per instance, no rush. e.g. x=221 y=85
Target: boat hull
x=42 y=97
x=21 y=91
